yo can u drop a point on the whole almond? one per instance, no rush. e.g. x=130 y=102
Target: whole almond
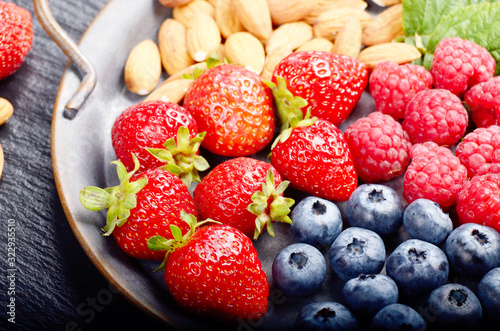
x=173 y=91
x=272 y=60
x=398 y=52
x=385 y=27
x=143 y=68
x=226 y=19
x=6 y=110
x=254 y=15
x=348 y=41
x=184 y=14
x=285 y=11
x=326 y=5
x=1 y=160
x=329 y=23
x=172 y=45
x=202 y=37
x=174 y=3
x=213 y=2
x=317 y=44
x=292 y=35
x=243 y=49
x=386 y=3
x=188 y=71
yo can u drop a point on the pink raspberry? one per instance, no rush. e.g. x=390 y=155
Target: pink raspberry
x=435 y=115
x=393 y=86
x=379 y=146
x=479 y=151
x=478 y=201
x=459 y=64
x=434 y=173
x=484 y=102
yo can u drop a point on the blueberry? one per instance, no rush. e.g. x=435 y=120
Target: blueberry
x=367 y=294
x=488 y=292
x=473 y=250
x=319 y=316
x=418 y=267
x=357 y=251
x=375 y=207
x=316 y=221
x=299 y=269
x=424 y=219
x=396 y=317
x=452 y=307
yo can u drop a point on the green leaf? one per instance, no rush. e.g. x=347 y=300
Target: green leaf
x=158 y=243
x=176 y=232
x=94 y=198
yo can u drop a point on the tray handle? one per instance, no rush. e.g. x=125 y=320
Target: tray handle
x=70 y=48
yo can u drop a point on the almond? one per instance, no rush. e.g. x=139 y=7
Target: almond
x=348 y=41
x=213 y=2
x=317 y=44
x=225 y=18
x=1 y=160
x=386 y=3
x=292 y=35
x=326 y=5
x=184 y=14
x=329 y=23
x=286 y=11
x=174 y=3
x=272 y=60
x=202 y=37
x=243 y=49
x=385 y=27
x=255 y=17
x=172 y=44
x=6 y=110
x=143 y=68
x=398 y=52
x=173 y=91
x=188 y=71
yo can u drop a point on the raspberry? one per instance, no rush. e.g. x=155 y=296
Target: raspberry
x=16 y=37
x=459 y=64
x=435 y=115
x=479 y=151
x=392 y=86
x=484 y=102
x=379 y=146
x=434 y=173
x=478 y=201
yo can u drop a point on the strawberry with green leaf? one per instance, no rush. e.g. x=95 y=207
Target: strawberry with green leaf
x=245 y=193
x=144 y=204
x=160 y=134
x=314 y=156
x=234 y=107
x=213 y=270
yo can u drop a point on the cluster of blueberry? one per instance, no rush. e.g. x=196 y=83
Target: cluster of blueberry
x=384 y=287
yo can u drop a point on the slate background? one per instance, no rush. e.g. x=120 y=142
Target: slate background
x=56 y=285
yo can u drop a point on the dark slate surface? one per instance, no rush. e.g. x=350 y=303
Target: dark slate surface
x=56 y=285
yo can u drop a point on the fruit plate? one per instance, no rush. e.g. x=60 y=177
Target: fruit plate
x=81 y=156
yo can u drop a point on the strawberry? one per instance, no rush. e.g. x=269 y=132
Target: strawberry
x=214 y=271
x=16 y=37
x=244 y=193
x=314 y=156
x=144 y=204
x=160 y=134
x=332 y=84
x=234 y=107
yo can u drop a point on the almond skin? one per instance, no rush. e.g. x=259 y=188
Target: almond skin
x=172 y=45
x=243 y=49
x=286 y=11
x=174 y=3
x=173 y=91
x=385 y=27
x=202 y=37
x=292 y=35
x=254 y=15
x=6 y=110
x=329 y=23
x=398 y=52
x=143 y=68
x=184 y=14
x=317 y=44
x=226 y=19
x=348 y=41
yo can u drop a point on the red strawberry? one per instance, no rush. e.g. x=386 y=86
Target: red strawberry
x=144 y=204
x=314 y=156
x=214 y=271
x=145 y=128
x=244 y=193
x=16 y=37
x=332 y=84
x=234 y=107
